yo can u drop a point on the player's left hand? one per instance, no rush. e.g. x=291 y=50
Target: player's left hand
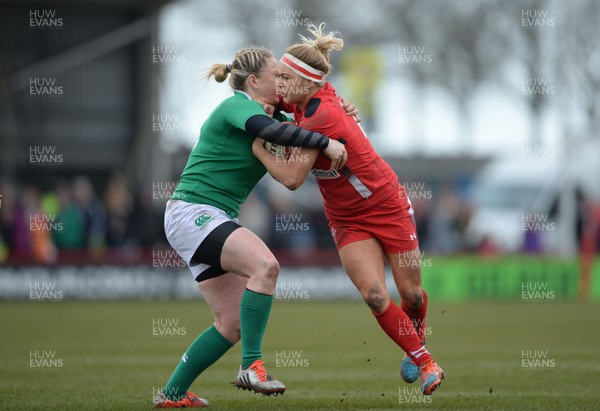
x=350 y=109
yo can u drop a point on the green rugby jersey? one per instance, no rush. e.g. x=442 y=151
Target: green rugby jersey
x=221 y=170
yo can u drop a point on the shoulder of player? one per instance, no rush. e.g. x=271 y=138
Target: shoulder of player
x=238 y=101
x=325 y=116
x=319 y=106
x=236 y=109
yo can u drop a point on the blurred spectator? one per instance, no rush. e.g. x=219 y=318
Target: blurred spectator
x=72 y=217
x=146 y=222
x=119 y=204
x=487 y=246
x=14 y=221
x=422 y=210
x=40 y=226
x=72 y=235
x=531 y=242
x=443 y=227
x=93 y=210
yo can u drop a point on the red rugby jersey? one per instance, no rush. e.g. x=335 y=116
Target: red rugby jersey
x=366 y=180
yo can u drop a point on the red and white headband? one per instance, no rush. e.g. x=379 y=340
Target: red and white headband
x=302 y=69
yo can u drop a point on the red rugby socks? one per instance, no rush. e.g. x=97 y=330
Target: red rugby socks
x=417 y=316
x=398 y=326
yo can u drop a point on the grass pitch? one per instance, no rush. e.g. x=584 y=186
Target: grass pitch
x=331 y=355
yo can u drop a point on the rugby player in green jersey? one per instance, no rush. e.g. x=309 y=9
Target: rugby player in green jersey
x=235 y=271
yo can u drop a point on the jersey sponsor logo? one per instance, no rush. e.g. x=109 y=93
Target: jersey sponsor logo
x=202 y=220
x=324 y=173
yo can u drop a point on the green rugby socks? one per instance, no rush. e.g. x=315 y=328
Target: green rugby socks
x=206 y=349
x=254 y=315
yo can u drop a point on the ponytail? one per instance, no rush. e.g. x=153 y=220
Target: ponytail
x=315 y=51
x=249 y=60
x=218 y=71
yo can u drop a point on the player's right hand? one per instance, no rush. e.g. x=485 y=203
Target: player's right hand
x=337 y=153
x=350 y=109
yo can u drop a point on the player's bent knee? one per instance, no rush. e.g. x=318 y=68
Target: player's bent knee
x=270 y=268
x=413 y=298
x=376 y=298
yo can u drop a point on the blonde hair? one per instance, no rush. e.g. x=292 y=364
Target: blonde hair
x=248 y=60
x=315 y=52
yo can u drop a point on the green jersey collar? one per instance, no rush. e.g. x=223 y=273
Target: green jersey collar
x=244 y=93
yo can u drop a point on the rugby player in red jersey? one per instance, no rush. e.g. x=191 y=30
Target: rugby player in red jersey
x=370 y=215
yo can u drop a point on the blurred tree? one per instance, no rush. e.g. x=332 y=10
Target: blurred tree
x=467 y=42
x=578 y=62
x=471 y=43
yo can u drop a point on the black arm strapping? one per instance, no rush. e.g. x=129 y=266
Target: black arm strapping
x=284 y=134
